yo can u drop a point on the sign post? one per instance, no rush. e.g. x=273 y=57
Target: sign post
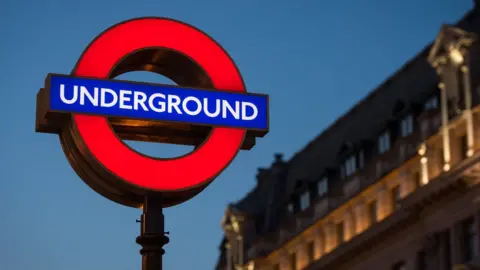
x=92 y=113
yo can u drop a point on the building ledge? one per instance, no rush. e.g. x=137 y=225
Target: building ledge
x=446 y=183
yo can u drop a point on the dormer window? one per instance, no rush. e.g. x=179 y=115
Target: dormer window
x=322 y=186
x=406 y=126
x=290 y=208
x=350 y=165
x=361 y=160
x=384 y=142
x=305 y=200
x=431 y=104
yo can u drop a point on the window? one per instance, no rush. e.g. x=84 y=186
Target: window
x=422 y=260
x=350 y=165
x=384 y=142
x=293 y=261
x=322 y=186
x=406 y=126
x=372 y=209
x=290 y=208
x=470 y=243
x=396 y=195
x=310 y=251
x=340 y=232
x=447 y=259
x=305 y=200
x=361 y=159
x=399 y=266
x=431 y=104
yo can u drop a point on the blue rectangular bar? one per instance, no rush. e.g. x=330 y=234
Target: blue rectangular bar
x=157 y=102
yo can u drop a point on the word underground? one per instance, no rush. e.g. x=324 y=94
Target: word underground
x=157 y=102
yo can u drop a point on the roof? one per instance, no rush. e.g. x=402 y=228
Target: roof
x=412 y=84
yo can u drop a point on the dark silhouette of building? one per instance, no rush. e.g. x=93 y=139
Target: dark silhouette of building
x=392 y=184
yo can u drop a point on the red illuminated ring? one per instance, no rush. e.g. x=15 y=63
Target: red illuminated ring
x=194 y=169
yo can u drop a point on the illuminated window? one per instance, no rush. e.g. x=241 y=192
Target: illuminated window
x=384 y=142
x=350 y=165
x=406 y=126
x=305 y=200
x=310 y=251
x=431 y=104
x=372 y=209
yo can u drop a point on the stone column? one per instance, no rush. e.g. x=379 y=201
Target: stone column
x=424 y=171
x=284 y=261
x=229 y=256
x=302 y=256
x=450 y=53
x=240 y=250
x=445 y=127
x=319 y=244
x=361 y=217
x=384 y=203
x=349 y=224
x=330 y=237
x=468 y=110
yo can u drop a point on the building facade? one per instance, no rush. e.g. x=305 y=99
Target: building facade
x=392 y=184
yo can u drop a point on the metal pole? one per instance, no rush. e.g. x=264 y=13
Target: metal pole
x=152 y=235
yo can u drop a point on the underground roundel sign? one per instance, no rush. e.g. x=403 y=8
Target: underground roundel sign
x=209 y=109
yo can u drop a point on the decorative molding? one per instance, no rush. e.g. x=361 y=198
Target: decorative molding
x=381 y=188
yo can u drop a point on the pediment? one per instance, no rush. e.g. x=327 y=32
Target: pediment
x=448 y=37
x=233 y=217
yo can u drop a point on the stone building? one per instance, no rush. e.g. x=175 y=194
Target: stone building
x=392 y=184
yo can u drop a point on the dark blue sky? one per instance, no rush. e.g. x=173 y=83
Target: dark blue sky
x=314 y=58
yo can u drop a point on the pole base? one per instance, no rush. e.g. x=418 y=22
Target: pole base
x=152 y=233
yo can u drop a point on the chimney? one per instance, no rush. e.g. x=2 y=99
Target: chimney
x=278 y=159
x=261 y=173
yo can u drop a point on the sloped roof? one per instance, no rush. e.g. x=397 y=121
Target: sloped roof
x=413 y=83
